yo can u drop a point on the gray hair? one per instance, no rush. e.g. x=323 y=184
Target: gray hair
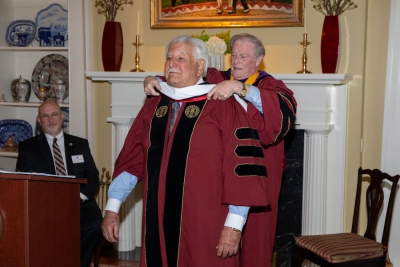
x=200 y=48
x=259 y=49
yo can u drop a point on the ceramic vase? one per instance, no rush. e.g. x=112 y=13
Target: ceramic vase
x=216 y=61
x=330 y=44
x=59 y=90
x=23 y=87
x=14 y=93
x=112 y=47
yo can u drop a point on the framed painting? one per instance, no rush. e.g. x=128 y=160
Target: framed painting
x=181 y=14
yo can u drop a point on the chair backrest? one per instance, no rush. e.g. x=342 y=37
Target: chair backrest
x=374 y=199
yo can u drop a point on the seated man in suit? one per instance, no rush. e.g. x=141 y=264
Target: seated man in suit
x=58 y=153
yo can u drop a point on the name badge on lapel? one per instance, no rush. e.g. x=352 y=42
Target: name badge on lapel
x=77 y=159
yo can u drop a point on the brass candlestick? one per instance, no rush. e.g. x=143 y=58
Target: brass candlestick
x=304 y=57
x=102 y=195
x=137 y=57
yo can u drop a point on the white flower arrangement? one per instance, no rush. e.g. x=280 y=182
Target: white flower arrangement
x=216 y=46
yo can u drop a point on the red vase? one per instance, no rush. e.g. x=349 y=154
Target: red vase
x=330 y=44
x=112 y=46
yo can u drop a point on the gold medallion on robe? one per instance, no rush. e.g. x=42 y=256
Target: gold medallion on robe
x=161 y=111
x=192 y=111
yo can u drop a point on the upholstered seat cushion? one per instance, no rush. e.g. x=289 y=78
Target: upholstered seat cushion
x=337 y=248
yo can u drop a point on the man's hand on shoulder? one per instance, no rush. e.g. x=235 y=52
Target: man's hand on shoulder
x=228 y=242
x=225 y=89
x=110 y=226
x=149 y=83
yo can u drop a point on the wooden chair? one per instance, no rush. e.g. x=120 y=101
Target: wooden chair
x=97 y=253
x=351 y=249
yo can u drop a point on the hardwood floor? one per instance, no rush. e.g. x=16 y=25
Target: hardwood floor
x=110 y=262
x=112 y=258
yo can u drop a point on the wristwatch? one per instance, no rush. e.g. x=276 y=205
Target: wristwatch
x=236 y=230
x=243 y=93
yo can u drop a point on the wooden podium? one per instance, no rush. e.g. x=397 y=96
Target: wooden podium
x=40 y=223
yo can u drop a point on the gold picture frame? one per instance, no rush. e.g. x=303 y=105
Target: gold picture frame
x=203 y=14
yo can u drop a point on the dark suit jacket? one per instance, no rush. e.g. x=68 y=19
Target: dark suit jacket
x=34 y=155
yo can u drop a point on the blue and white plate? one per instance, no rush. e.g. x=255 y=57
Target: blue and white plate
x=19 y=129
x=65 y=111
x=20 y=33
x=54 y=17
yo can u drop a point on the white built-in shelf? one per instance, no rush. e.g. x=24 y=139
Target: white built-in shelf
x=8 y=154
x=28 y=104
x=37 y=3
x=33 y=48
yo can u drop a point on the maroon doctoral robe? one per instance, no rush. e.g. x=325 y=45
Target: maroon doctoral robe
x=212 y=158
x=279 y=107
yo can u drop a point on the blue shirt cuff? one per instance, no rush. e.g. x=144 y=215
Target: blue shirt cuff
x=121 y=186
x=254 y=97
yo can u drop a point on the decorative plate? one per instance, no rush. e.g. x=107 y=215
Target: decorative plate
x=48 y=71
x=14 y=93
x=20 y=33
x=65 y=111
x=19 y=129
x=54 y=17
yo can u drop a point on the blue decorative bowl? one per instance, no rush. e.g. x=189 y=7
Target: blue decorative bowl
x=19 y=129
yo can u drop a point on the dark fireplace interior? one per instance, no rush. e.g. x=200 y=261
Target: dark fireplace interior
x=290 y=200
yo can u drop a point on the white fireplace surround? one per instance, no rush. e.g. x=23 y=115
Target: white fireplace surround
x=321 y=112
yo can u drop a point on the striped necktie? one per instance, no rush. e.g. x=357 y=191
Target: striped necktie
x=58 y=159
x=174 y=113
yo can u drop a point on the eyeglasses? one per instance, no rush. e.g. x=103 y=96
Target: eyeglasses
x=52 y=115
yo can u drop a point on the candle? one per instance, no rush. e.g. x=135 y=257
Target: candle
x=138 y=19
x=305 y=21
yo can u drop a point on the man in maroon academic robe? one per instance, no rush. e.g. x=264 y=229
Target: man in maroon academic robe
x=271 y=97
x=191 y=170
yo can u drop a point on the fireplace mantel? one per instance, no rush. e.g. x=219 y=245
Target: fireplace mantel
x=321 y=112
